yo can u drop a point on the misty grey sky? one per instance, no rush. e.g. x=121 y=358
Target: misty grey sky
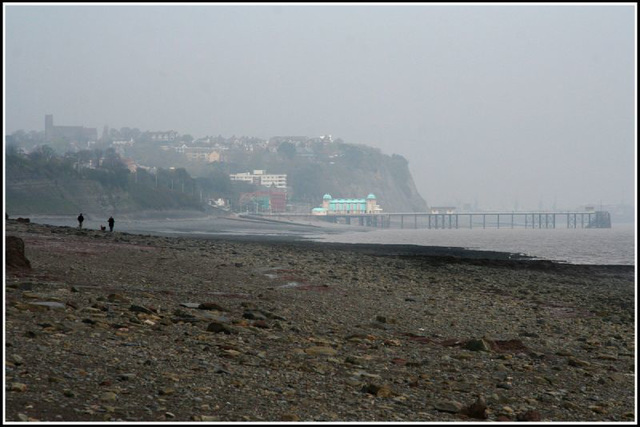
x=490 y=104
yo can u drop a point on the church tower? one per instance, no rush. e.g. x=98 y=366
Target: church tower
x=48 y=127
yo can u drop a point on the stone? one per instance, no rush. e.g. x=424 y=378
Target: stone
x=254 y=315
x=450 y=406
x=320 y=351
x=51 y=305
x=15 y=257
x=478 y=409
x=126 y=377
x=378 y=390
x=69 y=393
x=529 y=416
x=19 y=387
x=31 y=295
x=289 y=417
x=477 y=345
x=108 y=396
x=210 y=418
x=218 y=328
x=141 y=309
x=118 y=298
x=190 y=304
x=211 y=306
x=261 y=324
x=578 y=363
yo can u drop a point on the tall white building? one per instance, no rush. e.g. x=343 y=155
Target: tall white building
x=260 y=177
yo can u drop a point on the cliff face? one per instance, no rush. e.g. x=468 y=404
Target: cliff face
x=388 y=178
x=44 y=196
x=50 y=196
x=354 y=172
x=71 y=195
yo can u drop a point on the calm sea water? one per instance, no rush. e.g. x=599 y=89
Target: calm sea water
x=614 y=245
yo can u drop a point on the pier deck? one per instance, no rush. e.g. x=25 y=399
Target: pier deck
x=586 y=219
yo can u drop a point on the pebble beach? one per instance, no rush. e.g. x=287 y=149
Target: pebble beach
x=129 y=327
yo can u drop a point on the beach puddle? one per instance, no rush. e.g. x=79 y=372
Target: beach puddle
x=304 y=286
x=291 y=285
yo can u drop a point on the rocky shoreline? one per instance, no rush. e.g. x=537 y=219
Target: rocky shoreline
x=139 y=328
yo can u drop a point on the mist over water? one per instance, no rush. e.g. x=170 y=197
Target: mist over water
x=615 y=246
x=598 y=246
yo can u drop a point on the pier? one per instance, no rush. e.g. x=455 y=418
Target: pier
x=469 y=220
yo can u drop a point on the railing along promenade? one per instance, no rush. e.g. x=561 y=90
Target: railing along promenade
x=470 y=220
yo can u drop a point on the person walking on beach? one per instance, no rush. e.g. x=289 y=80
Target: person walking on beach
x=80 y=219
x=111 y=222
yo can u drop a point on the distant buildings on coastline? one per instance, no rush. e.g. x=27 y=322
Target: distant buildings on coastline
x=68 y=133
x=331 y=206
x=443 y=209
x=271 y=200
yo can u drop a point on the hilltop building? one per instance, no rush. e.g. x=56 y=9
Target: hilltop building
x=205 y=154
x=331 y=206
x=163 y=136
x=68 y=133
x=260 y=177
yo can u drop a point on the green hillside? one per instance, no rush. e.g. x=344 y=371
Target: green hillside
x=43 y=183
x=46 y=182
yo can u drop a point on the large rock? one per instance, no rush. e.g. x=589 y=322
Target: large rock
x=218 y=327
x=449 y=406
x=477 y=345
x=477 y=410
x=15 y=258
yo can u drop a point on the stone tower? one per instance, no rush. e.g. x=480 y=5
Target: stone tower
x=48 y=127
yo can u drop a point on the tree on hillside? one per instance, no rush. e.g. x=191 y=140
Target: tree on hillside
x=11 y=151
x=111 y=159
x=287 y=150
x=43 y=153
x=128 y=133
x=308 y=182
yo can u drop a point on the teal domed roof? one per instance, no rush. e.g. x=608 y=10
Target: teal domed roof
x=371 y=196
x=327 y=197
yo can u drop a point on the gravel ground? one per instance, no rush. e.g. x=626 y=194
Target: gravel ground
x=131 y=327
